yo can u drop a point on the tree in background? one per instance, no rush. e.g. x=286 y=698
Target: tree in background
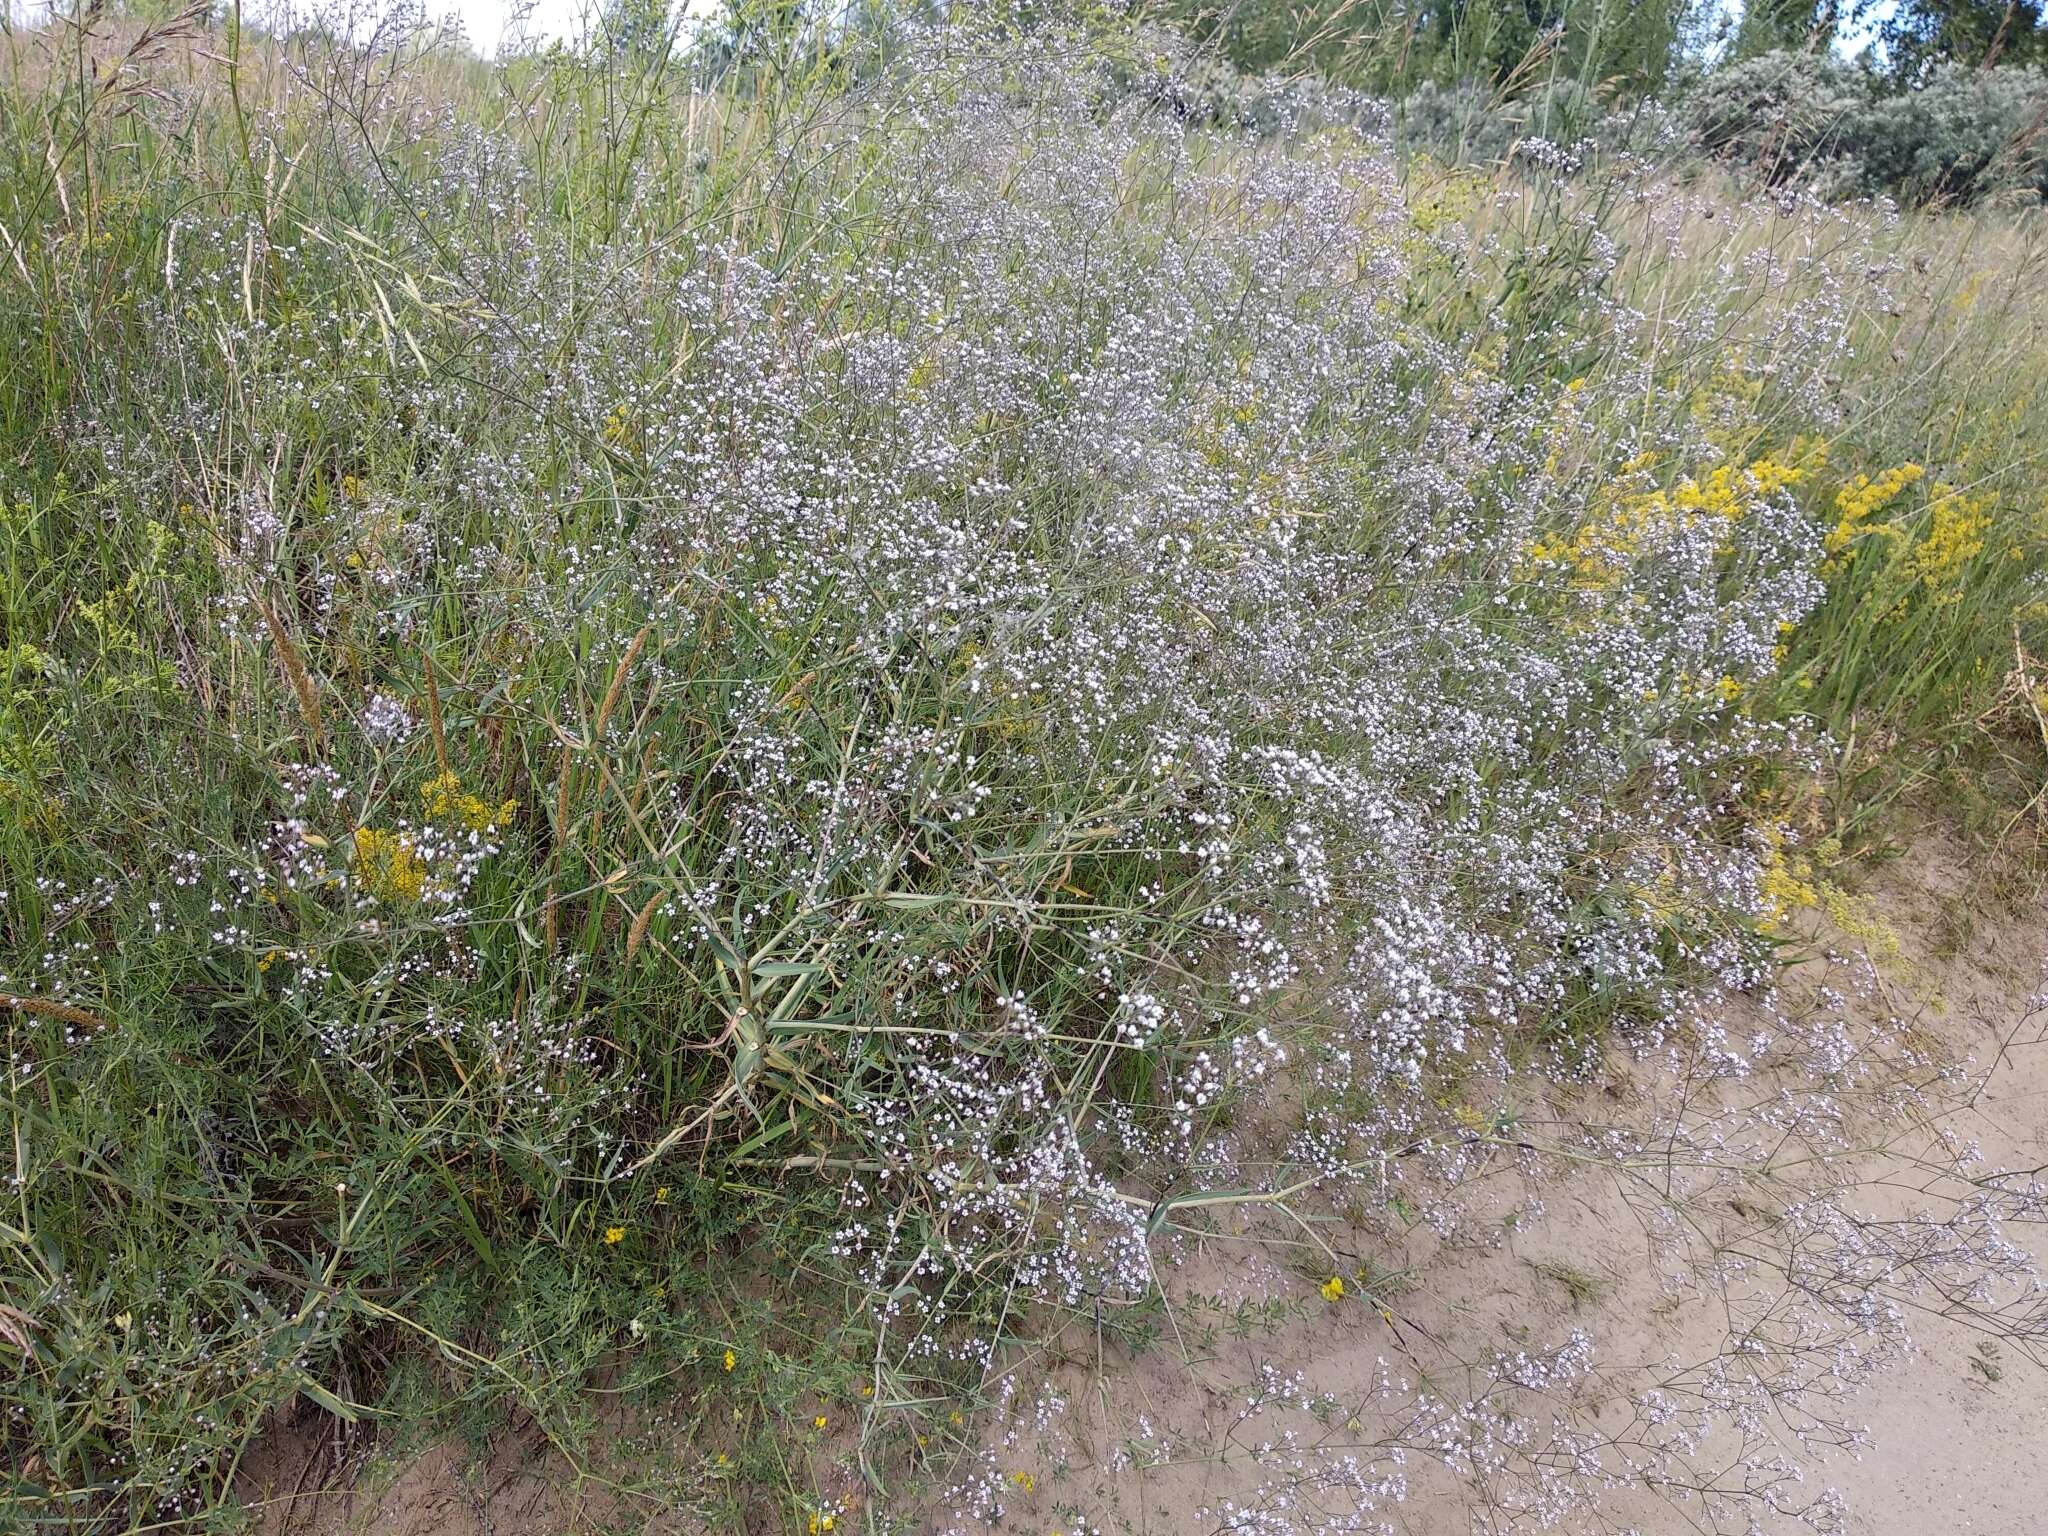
x=788 y=38
x=1913 y=36
x=1394 y=45
x=1796 y=26
x=640 y=29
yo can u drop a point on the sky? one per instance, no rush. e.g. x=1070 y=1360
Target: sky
x=487 y=23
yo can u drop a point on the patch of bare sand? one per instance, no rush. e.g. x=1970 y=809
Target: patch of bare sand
x=300 y=1481
x=1957 y=1429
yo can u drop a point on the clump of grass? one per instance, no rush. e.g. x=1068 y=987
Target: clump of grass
x=1581 y=1287
x=703 y=724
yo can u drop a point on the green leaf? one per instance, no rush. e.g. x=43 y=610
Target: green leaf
x=350 y=1413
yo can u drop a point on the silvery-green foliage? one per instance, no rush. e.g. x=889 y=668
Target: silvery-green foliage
x=1963 y=135
x=1459 y=123
x=1200 y=86
x=1778 y=112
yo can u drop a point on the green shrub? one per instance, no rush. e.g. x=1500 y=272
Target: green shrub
x=1776 y=114
x=1964 y=135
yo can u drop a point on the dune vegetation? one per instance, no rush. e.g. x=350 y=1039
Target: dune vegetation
x=713 y=731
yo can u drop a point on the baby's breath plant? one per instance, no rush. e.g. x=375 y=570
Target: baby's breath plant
x=725 y=724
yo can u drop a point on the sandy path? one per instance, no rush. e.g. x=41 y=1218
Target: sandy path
x=1960 y=1430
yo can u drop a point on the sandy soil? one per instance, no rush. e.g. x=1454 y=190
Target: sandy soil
x=1160 y=1439
x=1960 y=1430
x=1955 y=1427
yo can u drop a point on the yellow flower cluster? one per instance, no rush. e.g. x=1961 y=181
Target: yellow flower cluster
x=1726 y=406
x=388 y=867
x=1790 y=882
x=1607 y=541
x=1448 y=200
x=1955 y=537
x=1860 y=500
x=1785 y=885
x=444 y=796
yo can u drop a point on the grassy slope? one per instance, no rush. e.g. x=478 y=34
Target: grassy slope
x=334 y=1045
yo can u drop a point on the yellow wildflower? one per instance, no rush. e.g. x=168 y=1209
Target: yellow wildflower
x=1861 y=499
x=1333 y=1288
x=731 y=1359
x=445 y=796
x=1955 y=538
x=387 y=865
x=614 y=1235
